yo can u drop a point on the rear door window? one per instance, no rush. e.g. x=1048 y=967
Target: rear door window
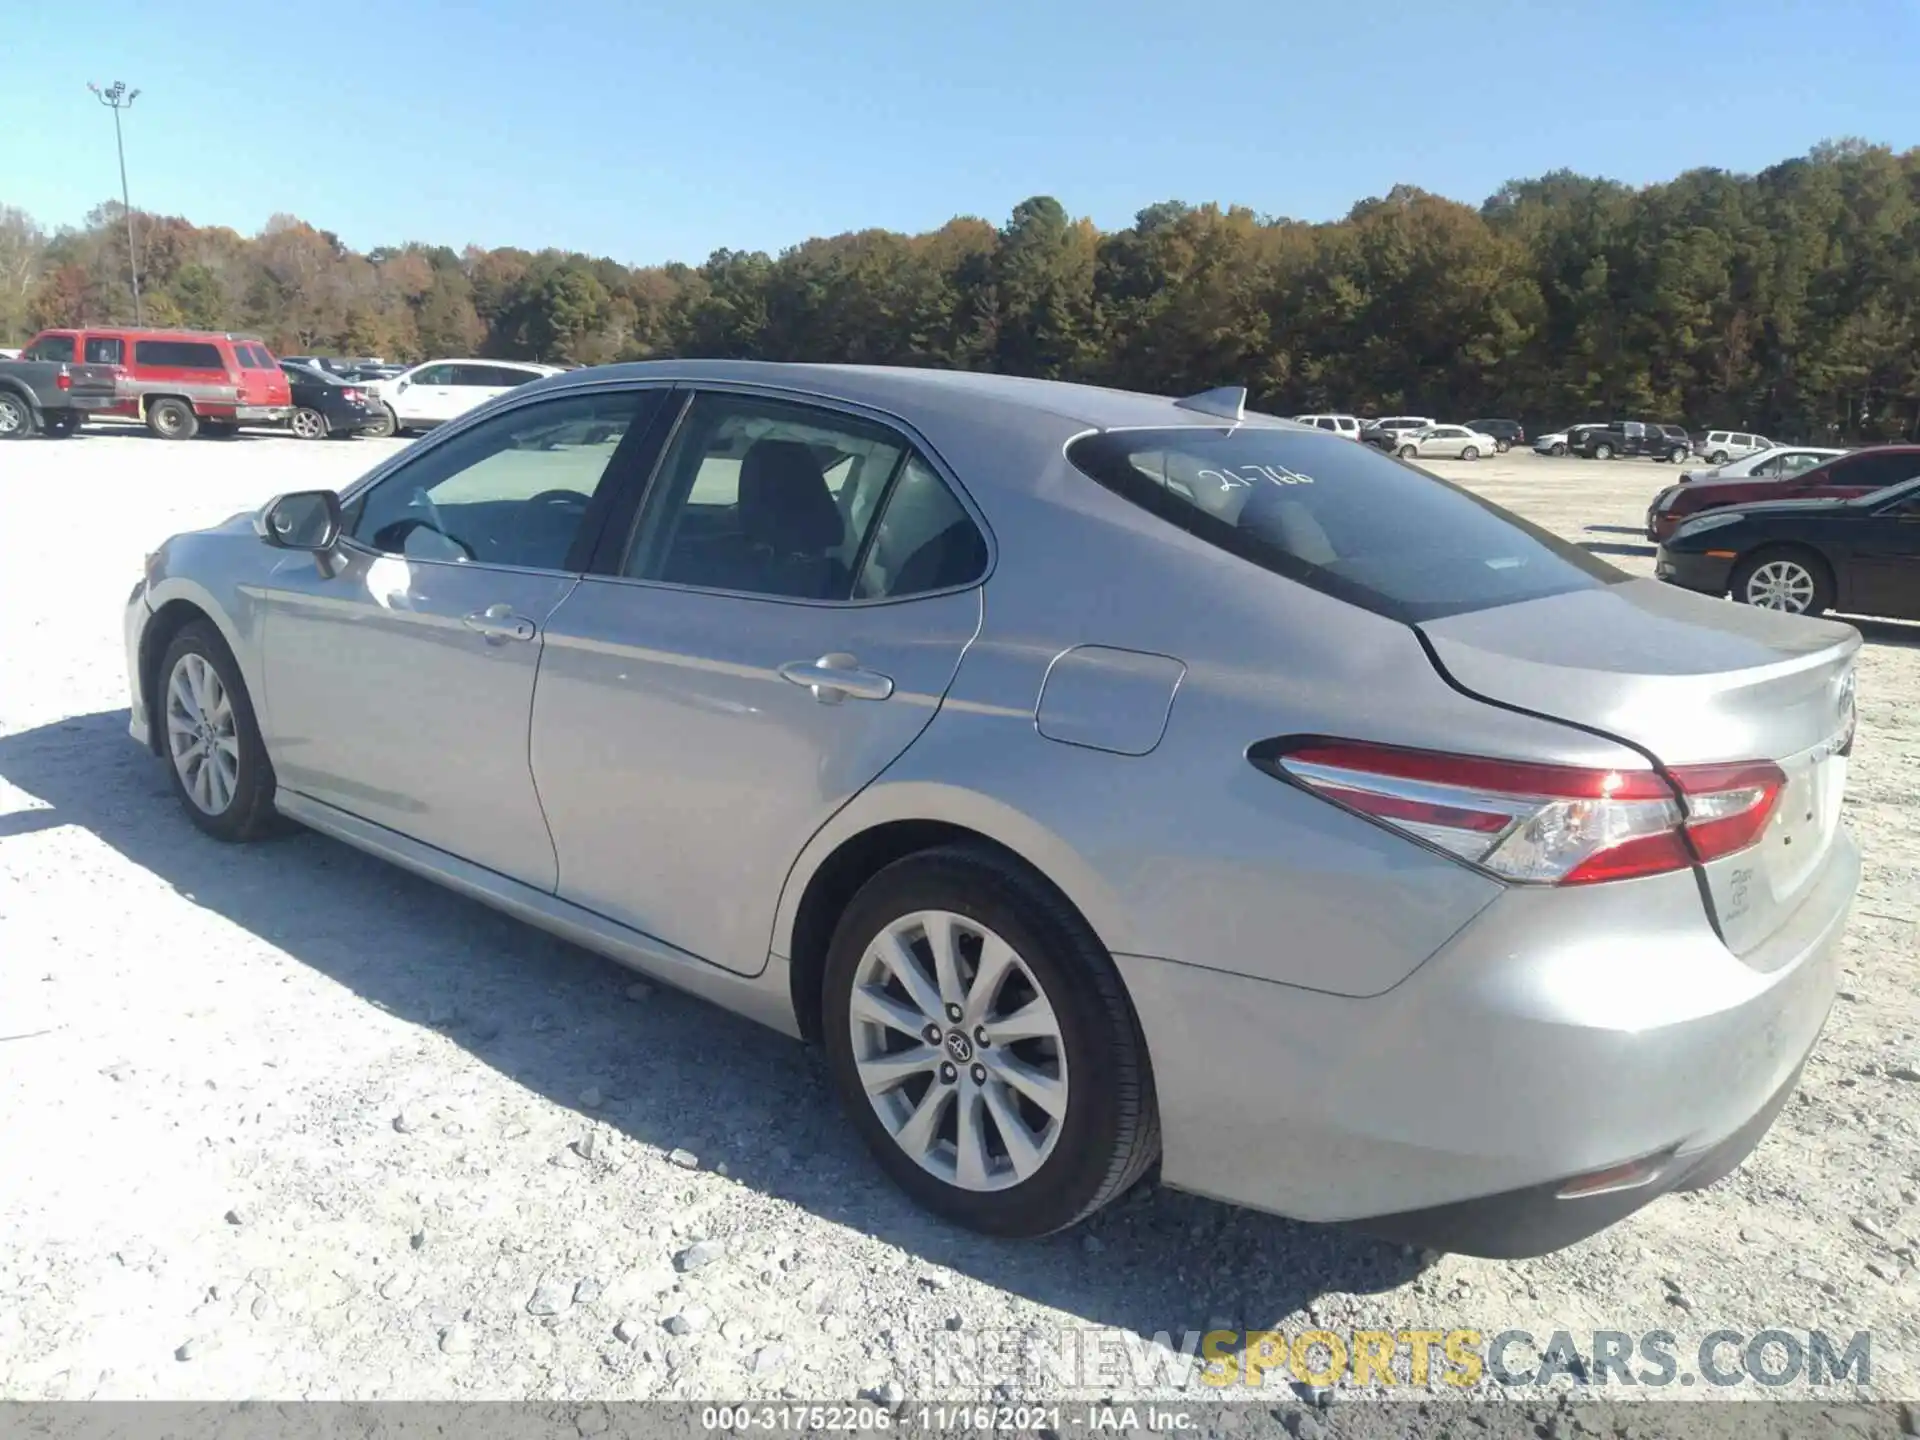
x=178 y=355
x=1873 y=471
x=104 y=350
x=1343 y=519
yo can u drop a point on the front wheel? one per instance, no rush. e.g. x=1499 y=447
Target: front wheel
x=1793 y=581
x=216 y=758
x=1603 y=452
x=1472 y=452
x=383 y=426
x=1719 y=457
x=1407 y=452
x=172 y=420
x=1500 y=447
x=1560 y=449
x=308 y=424
x=1676 y=455
x=983 y=1046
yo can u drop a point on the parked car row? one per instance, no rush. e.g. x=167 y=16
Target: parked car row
x=1421 y=436
x=181 y=383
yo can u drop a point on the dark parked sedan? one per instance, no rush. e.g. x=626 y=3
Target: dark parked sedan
x=1805 y=556
x=1508 y=433
x=324 y=404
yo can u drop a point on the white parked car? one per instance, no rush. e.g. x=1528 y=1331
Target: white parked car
x=1776 y=463
x=1720 y=446
x=1342 y=425
x=443 y=390
x=1552 y=443
x=1444 y=442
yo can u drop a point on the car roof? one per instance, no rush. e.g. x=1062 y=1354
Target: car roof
x=971 y=418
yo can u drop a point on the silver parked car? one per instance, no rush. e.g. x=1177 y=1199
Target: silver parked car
x=1099 y=778
x=1445 y=442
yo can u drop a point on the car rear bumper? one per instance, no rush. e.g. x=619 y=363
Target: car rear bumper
x=1561 y=1033
x=1708 y=574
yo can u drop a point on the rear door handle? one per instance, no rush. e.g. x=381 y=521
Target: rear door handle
x=498 y=623
x=834 y=677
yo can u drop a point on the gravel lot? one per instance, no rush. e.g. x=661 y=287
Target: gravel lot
x=283 y=1122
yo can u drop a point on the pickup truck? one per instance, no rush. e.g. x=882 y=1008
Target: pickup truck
x=50 y=396
x=1630 y=437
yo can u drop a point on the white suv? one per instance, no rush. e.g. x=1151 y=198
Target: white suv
x=1720 y=446
x=1345 y=425
x=443 y=390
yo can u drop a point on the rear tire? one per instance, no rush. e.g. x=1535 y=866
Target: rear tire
x=16 y=417
x=1500 y=447
x=172 y=420
x=1676 y=455
x=1719 y=457
x=1086 y=1047
x=1603 y=452
x=1407 y=452
x=1560 y=450
x=215 y=757
x=308 y=424
x=1784 y=578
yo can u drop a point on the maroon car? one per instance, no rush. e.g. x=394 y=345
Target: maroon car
x=1857 y=473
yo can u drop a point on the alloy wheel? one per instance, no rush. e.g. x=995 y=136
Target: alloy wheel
x=959 y=1050
x=202 y=737
x=13 y=418
x=1781 y=585
x=308 y=424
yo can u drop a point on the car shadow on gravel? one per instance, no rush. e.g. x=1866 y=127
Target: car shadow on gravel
x=672 y=1071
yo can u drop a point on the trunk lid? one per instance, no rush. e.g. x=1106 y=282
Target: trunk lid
x=1689 y=680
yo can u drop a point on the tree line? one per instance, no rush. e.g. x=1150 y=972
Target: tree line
x=1786 y=302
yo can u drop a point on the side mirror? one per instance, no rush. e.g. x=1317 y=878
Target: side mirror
x=305 y=520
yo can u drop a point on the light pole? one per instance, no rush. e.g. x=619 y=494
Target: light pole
x=116 y=97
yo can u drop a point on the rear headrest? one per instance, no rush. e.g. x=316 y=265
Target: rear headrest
x=784 y=501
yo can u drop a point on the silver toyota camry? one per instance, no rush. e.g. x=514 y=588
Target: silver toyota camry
x=1102 y=780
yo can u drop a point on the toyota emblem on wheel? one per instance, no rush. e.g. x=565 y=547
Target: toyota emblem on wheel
x=959 y=1047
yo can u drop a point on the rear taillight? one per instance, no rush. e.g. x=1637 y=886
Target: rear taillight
x=63 y=381
x=352 y=396
x=1540 y=824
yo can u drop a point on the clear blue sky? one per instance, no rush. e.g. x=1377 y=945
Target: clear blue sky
x=653 y=132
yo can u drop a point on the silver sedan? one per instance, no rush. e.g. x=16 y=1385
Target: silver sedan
x=1451 y=442
x=1100 y=779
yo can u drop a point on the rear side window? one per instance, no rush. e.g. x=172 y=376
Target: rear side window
x=254 y=357
x=1344 y=519
x=924 y=540
x=1874 y=471
x=52 y=347
x=104 y=350
x=178 y=354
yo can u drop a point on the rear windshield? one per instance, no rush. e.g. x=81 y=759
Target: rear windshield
x=1342 y=518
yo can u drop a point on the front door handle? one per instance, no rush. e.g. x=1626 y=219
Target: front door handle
x=834 y=677
x=498 y=623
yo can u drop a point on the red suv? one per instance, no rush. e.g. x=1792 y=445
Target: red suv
x=179 y=381
x=1860 y=472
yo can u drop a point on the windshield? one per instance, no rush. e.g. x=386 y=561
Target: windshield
x=1342 y=518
